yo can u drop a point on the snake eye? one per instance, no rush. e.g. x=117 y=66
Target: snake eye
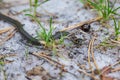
x=86 y=27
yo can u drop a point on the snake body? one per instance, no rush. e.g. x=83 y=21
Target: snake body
x=19 y=26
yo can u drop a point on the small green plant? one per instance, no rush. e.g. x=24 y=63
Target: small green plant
x=35 y=5
x=44 y=35
x=105 y=8
x=117 y=29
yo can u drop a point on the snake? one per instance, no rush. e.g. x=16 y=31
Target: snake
x=19 y=27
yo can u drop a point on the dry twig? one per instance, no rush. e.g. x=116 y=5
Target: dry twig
x=88 y=74
x=89 y=51
x=82 y=23
x=46 y=57
x=93 y=54
x=7 y=38
x=109 y=67
x=6 y=55
x=116 y=69
x=117 y=42
x=10 y=35
x=5 y=30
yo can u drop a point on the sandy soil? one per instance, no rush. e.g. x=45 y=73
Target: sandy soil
x=71 y=60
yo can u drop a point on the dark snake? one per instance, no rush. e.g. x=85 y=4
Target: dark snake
x=19 y=27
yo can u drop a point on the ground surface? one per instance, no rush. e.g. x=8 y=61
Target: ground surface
x=73 y=56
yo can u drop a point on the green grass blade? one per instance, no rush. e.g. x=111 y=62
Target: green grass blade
x=36 y=1
x=116 y=9
x=94 y=4
x=116 y=27
x=43 y=2
x=50 y=32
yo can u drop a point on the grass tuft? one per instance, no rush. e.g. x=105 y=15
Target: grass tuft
x=105 y=8
x=44 y=35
